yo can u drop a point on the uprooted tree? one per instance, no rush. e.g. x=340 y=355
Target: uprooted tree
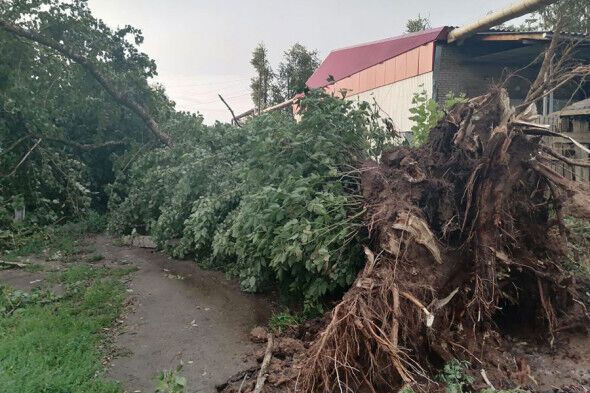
x=465 y=230
x=466 y=238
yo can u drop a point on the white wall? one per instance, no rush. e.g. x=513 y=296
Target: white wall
x=396 y=99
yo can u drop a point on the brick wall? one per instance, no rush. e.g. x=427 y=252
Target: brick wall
x=453 y=72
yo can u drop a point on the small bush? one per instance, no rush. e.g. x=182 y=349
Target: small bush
x=426 y=112
x=94 y=222
x=578 y=246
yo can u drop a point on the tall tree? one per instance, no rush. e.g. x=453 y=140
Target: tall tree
x=261 y=83
x=575 y=15
x=297 y=66
x=417 y=24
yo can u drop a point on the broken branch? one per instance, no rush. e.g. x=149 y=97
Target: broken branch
x=231 y=111
x=265 y=362
x=121 y=97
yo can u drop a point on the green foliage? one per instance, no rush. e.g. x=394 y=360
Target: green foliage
x=269 y=87
x=261 y=83
x=273 y=203
x=426 y=112
x=56 y=120
x=283 y=320
x=12 y=300
x=418 y=24
x=94 y=222
x=169 y=381
x=53 y=241
x=454 y=376
x=574 y=15
x=50 y=343
x=297 y=66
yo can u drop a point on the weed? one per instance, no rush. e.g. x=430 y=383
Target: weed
x=56 y=242
x=34 y=267
x=454 y=376
x=83 y=274
x=11 y=300
x=170 y=381
x=283 y=320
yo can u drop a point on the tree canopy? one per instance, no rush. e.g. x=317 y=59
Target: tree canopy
x=261 y=83
x=573 y=15
x=417 y=24
x=270 y=87
x=64 y=127
x=297 y=66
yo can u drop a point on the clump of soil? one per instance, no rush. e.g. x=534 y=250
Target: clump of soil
x=288 y=352
x=467 y=246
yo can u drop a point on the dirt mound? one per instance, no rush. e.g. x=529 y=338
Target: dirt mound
x=467 y=241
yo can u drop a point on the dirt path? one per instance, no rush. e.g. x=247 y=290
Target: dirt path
x=181 y=313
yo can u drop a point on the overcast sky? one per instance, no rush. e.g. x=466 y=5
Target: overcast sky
x=203 y=47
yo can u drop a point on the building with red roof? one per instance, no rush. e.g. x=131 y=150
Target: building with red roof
x=390 y=71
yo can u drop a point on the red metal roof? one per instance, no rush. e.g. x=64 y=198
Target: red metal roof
x=344 y=62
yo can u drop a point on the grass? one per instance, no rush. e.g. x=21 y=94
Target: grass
x=58 y=242
x=50 y=344
x=94 y=257
x=280 y=321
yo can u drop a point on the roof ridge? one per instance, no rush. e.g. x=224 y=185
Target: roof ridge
x=389 y=39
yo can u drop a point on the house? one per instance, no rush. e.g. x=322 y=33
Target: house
x=392 y=70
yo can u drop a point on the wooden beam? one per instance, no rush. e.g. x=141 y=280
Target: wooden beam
x=513 y=37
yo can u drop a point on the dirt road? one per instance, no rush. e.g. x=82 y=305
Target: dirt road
x=181 y=313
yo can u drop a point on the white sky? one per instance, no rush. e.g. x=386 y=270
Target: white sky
x=203 y=47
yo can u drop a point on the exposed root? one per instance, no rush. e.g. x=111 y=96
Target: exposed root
x=479 y=232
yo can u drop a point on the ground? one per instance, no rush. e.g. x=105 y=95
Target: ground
x=175 y=313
